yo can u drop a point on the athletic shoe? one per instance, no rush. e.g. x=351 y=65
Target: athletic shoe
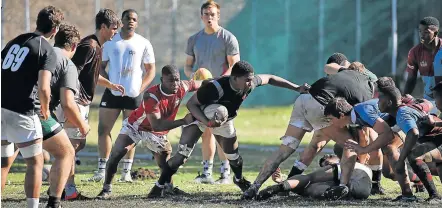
x=204 y=178
x=336 y=192
x=104 y=194
x=125 y=178
x=250 y=193
x=242 y=183
x=224 y=179
x=269 y=192
x=97 y=177
x=156 y=192
x=376 y=188
x=403 y=198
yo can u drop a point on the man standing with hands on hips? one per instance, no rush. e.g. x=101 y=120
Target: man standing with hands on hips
x=125 y=53
x=217 y=50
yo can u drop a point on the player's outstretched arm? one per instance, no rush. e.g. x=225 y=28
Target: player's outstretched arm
x=281 y=82
x=71 y=111
x=44 y=91
x=159 y=124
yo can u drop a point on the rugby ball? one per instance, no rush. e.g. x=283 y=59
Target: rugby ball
x=202 y=74
x=221 y=111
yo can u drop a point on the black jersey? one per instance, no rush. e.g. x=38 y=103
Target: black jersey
x=22 y=59
x=219 y=91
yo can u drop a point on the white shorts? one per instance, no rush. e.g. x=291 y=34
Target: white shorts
x=73 y=133
x=18 y=128
x=155 y=143
x=227 y=130
x=308 y=114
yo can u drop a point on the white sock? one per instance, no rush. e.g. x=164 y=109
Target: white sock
x=127 y=165
x=225 y=168
x=102 y=165
x=207 y=167
x=32 y=202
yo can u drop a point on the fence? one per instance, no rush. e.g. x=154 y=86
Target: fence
x=290 y=38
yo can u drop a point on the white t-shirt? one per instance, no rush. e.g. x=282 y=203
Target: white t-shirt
x=126 y=62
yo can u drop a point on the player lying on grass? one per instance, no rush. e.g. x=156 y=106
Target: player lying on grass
x=150 y=124
x=318 y=182
x=421 y=137
x=230 y=92
x=308 y=115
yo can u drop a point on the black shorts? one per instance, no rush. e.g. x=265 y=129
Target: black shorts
x=118 y=102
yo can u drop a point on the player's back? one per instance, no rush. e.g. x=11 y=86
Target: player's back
x=22 y=59
x=87 y=58
x=351 y=85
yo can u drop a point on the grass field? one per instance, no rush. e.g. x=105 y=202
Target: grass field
x=259 y=127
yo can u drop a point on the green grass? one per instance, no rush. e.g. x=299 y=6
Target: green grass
x=259 y=126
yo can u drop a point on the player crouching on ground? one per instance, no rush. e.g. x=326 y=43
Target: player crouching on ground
x=229 y=92
x=150 y=124
x=315 y=184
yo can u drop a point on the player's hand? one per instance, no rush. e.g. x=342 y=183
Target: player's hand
x=188 y=119
x=85 y=129
x=215 y=121
x=429 y=119
x=118 y=87
x=304 y=88
x=276 y=176
x=352 y=145
x=45 y=113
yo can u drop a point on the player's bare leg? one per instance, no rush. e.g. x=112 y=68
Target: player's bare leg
x=122 y=145
x=70 y=187
x=161 y=159
x=8 y=156
x=189 y=137
x=128 y=158
x=60 y=147
x=106 y=121
x=298 y=183
x=291 y=140
x=32 y=154
x=208 y=149
x=230 y=148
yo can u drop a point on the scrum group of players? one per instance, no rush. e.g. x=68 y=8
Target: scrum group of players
x=368 y=118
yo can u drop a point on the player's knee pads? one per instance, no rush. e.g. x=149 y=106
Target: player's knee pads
x=7 y=150
x=31 y=150
x=290 y=141
x=184 y=150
